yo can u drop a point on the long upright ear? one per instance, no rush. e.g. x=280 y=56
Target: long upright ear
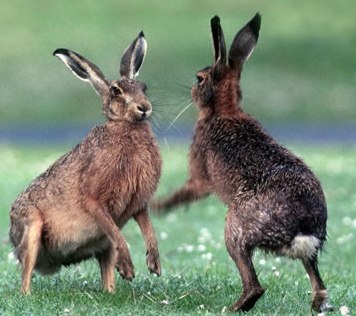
x=244 y=42
x=133 y=56
x=83 y=69
x=218 y=41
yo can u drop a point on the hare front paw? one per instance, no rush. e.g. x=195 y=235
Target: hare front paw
x=153 y=262
x=125 y=267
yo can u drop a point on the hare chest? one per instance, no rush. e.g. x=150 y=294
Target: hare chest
x=135 y=183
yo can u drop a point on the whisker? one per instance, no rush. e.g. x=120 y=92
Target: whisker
x=170 y=101
x=155 y=122
x=157 y=113
x=178 y=116
x=166 y=141
x=183 y=85
x=177 y=129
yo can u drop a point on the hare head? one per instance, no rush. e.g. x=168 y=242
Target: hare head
x=215 y=83
x=122 y=99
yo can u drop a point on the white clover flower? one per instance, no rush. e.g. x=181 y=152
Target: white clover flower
x=66 y=310
x=172 y=217
x=201 y=248
x=163 y=235
x=262 y=262
x=346 y=220
x=344 y=310
x=207 y=256
x=201 y=306
x=204 y=236
x=189 y=248
x=165 y=302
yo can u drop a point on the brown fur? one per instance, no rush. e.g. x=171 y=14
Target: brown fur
x=75 y=210
x=274 y=200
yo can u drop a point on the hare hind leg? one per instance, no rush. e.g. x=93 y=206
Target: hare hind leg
x=107 y=261
x=252 y=290
x=320 y=296
x=29 y=247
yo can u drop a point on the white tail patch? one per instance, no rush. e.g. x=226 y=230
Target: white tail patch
x=302 y=246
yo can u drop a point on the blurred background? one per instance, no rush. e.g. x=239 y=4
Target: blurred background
x=299 y=81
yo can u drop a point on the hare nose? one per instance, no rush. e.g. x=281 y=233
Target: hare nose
x=141 y=109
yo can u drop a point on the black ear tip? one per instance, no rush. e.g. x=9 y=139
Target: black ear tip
x=255 y=23
x=215 y=20
x=60 y=51
x=141 y=34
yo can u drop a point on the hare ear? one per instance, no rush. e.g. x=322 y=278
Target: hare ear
x=244 y=42
x=218 y=41
x=83 y=69
x=133 y=57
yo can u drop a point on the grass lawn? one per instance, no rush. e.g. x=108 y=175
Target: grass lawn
x=198 y=276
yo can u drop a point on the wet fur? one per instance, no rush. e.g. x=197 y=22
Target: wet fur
x=274 y=200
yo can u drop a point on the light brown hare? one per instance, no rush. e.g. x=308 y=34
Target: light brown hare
x=274 y=201
x=74 y=211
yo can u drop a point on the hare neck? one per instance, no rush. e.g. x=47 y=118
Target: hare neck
x=126 y=126
x=228 y=96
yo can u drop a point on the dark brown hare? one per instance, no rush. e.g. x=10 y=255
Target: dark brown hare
x=274 y=201
x=74 y=211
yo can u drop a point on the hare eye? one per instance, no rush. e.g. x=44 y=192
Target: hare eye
x=115 y=91
x=200 y=79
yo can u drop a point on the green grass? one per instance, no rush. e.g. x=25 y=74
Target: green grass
x=302 y=69
x=198 y=276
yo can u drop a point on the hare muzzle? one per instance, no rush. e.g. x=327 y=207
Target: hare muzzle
x=143 y=111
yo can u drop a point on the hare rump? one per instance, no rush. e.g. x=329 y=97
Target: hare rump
x=274 y=200
x=75 y=210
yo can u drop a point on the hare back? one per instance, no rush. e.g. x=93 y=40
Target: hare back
x=241 y=156
x=247 y=168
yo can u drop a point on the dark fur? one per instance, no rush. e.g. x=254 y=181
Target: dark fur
x=273 y=199
x=75 y=210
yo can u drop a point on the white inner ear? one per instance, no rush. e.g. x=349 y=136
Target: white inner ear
x=141 y=43
x=67 y=61
x=250 y=53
